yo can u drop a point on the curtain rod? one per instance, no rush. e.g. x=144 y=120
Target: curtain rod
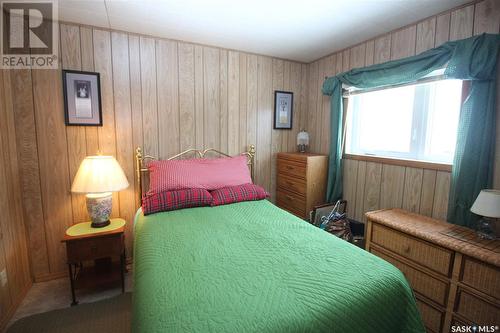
x=347 y=93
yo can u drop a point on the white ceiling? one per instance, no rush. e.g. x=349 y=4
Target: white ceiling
x=289 y=29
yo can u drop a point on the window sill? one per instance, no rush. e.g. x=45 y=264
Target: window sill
x=400 y=162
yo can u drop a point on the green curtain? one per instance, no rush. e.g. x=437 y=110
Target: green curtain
x=472 y=59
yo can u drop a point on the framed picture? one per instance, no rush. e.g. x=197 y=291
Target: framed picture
x=283 y=109
x=82 y=98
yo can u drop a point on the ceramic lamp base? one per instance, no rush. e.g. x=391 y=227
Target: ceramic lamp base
x=99 y=207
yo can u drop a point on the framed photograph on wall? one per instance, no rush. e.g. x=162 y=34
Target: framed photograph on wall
x=82 y=98
x=283 y=109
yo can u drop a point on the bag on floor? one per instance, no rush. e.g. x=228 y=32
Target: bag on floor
x=337 y=223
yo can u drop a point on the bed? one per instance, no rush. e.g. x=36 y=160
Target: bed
x=252 y=267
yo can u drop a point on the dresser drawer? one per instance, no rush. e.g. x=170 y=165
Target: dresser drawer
x=292 y=168
x=422 y=283
x=292 y=184
x=432 y=317
x=419 y=251
x=481 y=276
x=94 y=248
x=476 y=309
x=291 y=201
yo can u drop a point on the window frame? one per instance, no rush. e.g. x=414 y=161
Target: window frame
x=393 y=160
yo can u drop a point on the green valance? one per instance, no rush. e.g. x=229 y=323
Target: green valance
x=472 y=59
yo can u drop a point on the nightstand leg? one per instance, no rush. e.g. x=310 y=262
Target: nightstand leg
x=72 y=285
x=125 y=259
x=122 y=268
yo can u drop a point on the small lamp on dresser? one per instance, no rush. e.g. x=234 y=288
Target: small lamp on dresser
x=487 y=205
x=97 y=177
x=303 y=141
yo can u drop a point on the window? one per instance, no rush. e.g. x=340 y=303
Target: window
x=413 y=122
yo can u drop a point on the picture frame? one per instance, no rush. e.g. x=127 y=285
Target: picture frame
x=283 y=109
x=82 y=98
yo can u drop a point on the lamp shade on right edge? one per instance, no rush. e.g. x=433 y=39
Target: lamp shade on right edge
x=487 y=204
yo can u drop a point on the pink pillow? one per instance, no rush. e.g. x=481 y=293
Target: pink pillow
x=208 y=174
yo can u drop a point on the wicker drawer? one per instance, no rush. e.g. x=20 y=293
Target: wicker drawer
x=94 y=248
x=459 y=322
x=482 y=277
x=419 y=251
x=292 y=168
x=422 y=283
x=291 y=202
x=475 y=309
x=432 y=317
x=293 y=184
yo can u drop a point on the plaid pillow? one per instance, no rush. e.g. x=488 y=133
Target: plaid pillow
x=172 y=200
x=245 y=192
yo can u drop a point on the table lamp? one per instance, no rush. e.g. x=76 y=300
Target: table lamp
x=97 y=177
x=302 y=141
x=487 y=205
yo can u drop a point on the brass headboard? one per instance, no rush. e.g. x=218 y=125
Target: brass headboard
x=142 y=160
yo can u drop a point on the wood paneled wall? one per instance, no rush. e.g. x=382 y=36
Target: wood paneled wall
x=14 y=259
x=369 y=185
x=168 y=96
x=164 y=95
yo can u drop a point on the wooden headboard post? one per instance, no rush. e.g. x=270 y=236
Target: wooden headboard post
x=142 y=169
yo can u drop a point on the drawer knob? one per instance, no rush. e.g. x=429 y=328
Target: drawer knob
x=289 y=198
x=406 y=248
x=289 y=167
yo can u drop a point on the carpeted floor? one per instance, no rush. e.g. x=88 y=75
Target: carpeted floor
x=105 y=316
x=55 y=294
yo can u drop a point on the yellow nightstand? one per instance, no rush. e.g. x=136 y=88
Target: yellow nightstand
x=84 y=243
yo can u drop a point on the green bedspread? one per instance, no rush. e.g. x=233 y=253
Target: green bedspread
x=252 y=267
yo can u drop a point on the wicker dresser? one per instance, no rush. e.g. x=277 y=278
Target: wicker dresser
x=301 y=182
x=455 y=276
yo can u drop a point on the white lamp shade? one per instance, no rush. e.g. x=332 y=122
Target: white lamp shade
x=99 y=174
x=487 y=204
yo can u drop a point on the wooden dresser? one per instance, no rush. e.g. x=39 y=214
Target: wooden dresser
x=301 y=182
x=455 y=276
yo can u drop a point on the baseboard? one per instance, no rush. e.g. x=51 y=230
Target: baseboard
x=62 y=274
x=51 y=276
x=12 y=309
